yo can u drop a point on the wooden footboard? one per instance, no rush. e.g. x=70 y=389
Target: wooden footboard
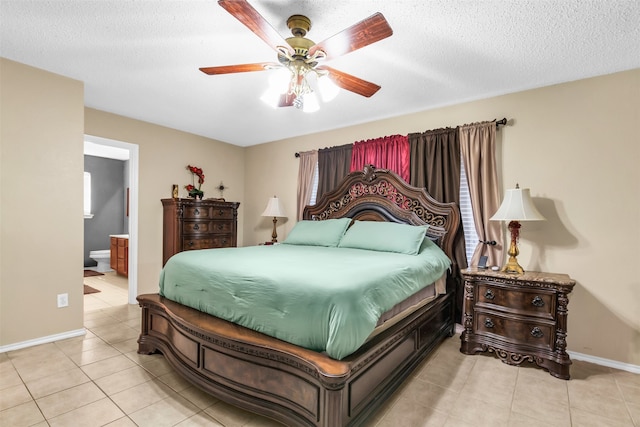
x=293 y=385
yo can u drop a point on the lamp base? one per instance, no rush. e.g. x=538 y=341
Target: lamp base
x=274 y=234
x=512 y=267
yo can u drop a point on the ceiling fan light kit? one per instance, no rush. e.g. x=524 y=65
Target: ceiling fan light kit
x=298 y=69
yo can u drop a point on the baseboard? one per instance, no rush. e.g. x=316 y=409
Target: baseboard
x=43 y=340
x=635 y=369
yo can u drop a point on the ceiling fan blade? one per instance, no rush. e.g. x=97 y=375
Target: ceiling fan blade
x=240 y=68
x=250 y=17
x=350 y=82
x=359 y=35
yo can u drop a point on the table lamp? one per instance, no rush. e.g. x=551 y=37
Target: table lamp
x=517 y=206
x=274 y=209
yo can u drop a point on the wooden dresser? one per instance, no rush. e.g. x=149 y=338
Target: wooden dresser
x=518 y=317
x=198 y=224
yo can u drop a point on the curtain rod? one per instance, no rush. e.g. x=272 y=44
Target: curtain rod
x=501 y=122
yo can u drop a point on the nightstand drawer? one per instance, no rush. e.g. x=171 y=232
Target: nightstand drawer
x=528 y=302
x=516 y=331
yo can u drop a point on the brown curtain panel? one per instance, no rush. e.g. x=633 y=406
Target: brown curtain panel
x=435 y=165
x=333 y=166
x=306 y=171
x=478 y=148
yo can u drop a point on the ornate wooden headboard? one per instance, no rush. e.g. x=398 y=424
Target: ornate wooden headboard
x=381 y=195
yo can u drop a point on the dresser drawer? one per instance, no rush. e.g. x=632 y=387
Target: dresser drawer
x=221 y=213
x=516 y=331
x=194 y=243
x=221 y=241
x=221 y=227
x=527 y=302
x=196 y=227
x=207 y=227
x=196 y=212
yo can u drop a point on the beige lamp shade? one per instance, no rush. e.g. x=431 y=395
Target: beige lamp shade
x=517 y=206
x=274 y=208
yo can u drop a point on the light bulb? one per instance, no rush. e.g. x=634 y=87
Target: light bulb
x=310 y=103
x=327 y=88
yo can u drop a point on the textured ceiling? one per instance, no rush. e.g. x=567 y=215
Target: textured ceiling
x=140 y=58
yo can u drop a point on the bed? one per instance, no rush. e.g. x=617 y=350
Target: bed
x=294 y=384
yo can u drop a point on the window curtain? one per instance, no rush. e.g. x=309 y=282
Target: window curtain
x=435 y=165
x=306 y=170
x=389 y=152
x=333 y=166
x=478 y=149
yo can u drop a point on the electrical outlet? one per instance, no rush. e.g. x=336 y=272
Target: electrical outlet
x=63 y=300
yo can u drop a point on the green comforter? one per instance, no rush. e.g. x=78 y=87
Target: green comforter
x=320 y=298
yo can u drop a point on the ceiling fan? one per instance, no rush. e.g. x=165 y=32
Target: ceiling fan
x=300 y=58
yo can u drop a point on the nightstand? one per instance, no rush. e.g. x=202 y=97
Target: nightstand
x=519 y=317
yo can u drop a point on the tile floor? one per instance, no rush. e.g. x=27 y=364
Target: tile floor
x=99 y=379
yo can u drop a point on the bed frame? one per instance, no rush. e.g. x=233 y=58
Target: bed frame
x=293 y=385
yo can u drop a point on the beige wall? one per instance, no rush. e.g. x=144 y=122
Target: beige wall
x=576 y=146
x=41 y=222
x=42 y=126
x=164 y=154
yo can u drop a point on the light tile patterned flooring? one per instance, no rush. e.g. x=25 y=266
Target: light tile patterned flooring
x=99 y=379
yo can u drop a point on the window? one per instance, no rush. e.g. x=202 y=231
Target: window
x=314 y=193
x=466 y=214
x=87 y=195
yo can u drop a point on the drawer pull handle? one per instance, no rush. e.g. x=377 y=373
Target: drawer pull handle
x=220 y=212
x=196 y=211
x=537 y=332
x=224 y=242
x=537 y=301
x=489 y=294
x=191 y=243
x=196 y=227
x=489 y=323
x=220 y=226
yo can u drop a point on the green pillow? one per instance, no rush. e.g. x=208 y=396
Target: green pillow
x=384 y=237
x=318 y=233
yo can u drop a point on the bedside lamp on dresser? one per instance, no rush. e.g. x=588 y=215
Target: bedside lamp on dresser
x=276 y=210
x=517 y=206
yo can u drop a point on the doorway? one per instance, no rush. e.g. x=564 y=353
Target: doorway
x=110 y=148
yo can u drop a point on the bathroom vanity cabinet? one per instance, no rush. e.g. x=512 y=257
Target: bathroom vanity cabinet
x=198 y=224
x=120 y=255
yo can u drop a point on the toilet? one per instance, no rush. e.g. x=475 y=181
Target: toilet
x=103 y=258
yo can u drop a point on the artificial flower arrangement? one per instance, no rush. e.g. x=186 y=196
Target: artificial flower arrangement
x=194 y=192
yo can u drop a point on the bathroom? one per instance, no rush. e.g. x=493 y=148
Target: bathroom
x=109 y=211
